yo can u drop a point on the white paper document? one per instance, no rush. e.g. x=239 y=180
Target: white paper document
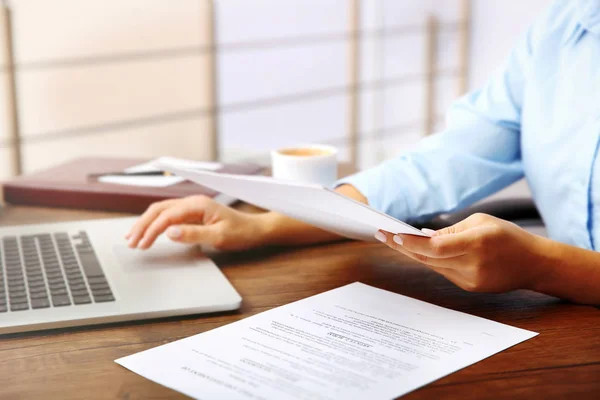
x=354 y=342
x=311 y=203
x=158 y=181
x=143 y=181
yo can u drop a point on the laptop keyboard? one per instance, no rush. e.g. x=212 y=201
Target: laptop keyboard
x=50 y=270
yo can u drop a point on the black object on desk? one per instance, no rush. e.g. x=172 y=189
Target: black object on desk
x=122 y=173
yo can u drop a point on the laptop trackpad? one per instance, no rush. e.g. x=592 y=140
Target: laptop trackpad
x=162 y=255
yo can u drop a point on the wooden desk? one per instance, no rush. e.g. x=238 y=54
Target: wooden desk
x=563 y=361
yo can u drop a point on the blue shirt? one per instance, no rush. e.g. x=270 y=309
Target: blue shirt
x=537 y=117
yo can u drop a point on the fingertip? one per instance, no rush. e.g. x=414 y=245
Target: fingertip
x=429 y=232
x=174 y=233
x=131 y=242
x=143 y=244
x=398 y=239
x=379 y=235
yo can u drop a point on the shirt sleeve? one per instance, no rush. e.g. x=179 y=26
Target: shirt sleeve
x=476 y=155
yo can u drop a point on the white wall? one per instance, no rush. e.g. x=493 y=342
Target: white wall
x=496 y=26
x=282 y=73
x=110 y=78
x=393 y=47
x=289 y=85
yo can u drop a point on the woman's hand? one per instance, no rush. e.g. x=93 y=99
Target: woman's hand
x=199 y=220
x=481 y=253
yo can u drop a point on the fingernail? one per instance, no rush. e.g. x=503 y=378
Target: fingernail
x=429 y=232
x=131 y=241
x=380 y=236
x=398 y=240
x=127 y=236
x=174 y=232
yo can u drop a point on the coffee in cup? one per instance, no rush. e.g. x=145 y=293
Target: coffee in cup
x=306 y=164
x=304 y=152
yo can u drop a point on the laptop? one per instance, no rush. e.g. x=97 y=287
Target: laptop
x=82 y=273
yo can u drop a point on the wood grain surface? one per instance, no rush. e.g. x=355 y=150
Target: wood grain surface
x=562 y=362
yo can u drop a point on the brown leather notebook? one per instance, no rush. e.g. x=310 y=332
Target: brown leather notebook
x=68 y=186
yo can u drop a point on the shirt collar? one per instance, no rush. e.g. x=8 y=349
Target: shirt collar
x=588 y=14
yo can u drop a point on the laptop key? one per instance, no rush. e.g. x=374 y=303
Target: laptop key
x=40 y=303
x=17 y=287
x=16 y=284
x=97 y=280
x=19 y=307
x=18 y=299
x=37 y=284
x=95 y=288
x=90 y=264
x=59 y=285
x=3 y=308
x=104 y=298
x=61 y=300
x=13 y=271
x=58 y=291
x=36 y=289
x=86 y=299
x=77 y=281
x=101 y=292
x=74 y=275
x=39 y=295
x=78 y=286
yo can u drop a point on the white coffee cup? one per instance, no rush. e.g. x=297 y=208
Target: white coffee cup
x=306 y=164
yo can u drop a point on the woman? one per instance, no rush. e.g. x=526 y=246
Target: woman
x=538 y=117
